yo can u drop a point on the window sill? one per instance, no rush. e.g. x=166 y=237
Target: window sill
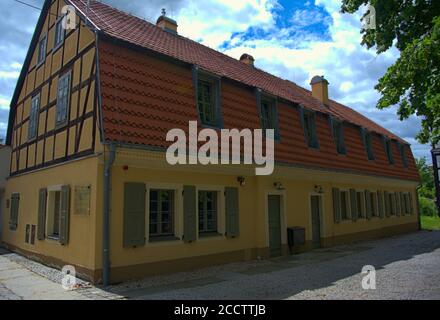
x=39 y=64
x=61 y=125
x=57 y=47
x=163 y=239
x=210 y=235
x=53 y=238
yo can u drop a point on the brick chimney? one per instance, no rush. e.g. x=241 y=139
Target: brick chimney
x=166 y=23
x=320 y=89
x=247 y=59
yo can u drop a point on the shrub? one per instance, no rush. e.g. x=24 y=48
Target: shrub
x=427 y=207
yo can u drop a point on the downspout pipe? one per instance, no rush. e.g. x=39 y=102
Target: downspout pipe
x=106 y=216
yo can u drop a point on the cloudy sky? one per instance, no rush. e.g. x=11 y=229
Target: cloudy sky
x=290 y=38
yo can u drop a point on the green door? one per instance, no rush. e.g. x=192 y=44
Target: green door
x=274 y=225
x=316 y=220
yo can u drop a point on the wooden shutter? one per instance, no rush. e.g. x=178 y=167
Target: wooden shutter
x=342 y=148
x=232 y=212
x=337 y=205
x=65 y=215
x=276 y=120
x=134 y=214
x=190 y=214
x=13 y=217
x=218 y=102
x=368 y=204
x=353 y=205
x=411 y=204
x=402 y=203
x=381 y=204
x=42 y=201
x=398 y=207
x=387 y=204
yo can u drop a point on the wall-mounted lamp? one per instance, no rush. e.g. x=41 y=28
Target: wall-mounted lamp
x=318 y=189
x=278 y=186
x=242 y=181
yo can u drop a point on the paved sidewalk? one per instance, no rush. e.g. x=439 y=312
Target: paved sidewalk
x=407 y=268
x=23 y=279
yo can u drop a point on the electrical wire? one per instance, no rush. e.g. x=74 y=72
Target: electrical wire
x=33 y=7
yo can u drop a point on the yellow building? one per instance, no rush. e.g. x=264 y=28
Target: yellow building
x=90 y=185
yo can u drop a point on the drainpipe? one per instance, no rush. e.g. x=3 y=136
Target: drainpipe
x=106 y=219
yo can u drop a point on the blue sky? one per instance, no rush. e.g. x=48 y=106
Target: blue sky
x=289 y=38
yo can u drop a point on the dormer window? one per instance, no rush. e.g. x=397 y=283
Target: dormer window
x=308 y=122
x=268 y=113
x=388 y=150
x=403 y=154
x=208 y=93
x=338 y=135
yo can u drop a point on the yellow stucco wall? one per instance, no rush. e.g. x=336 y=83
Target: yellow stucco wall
x=80 y=250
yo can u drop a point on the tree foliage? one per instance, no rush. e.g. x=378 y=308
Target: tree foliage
x=413 y=82
x=427 y=186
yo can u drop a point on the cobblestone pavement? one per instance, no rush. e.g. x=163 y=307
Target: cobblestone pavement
x=407 y=268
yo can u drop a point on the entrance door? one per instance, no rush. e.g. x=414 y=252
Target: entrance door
x=274 y=208
x=316 y=220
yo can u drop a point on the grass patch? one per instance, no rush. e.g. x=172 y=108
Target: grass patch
x=431 y=223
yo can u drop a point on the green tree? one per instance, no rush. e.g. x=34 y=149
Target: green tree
x=413 y=82
x=427 y=187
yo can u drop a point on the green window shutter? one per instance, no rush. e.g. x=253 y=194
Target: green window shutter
x=402 y=203
x=368 y=204
x=411 y=204
x=342 y=148
x=13 y=217
x=353 y=205
x=134 y=215
x=337 y=205
x=190 y=214
x=398 y=207
x=381 y=204
x=64 y=215
x=387 y=204
x=42 y=201
x=232 y=212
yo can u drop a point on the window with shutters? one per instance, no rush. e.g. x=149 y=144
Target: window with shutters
x=63 y=99
x=42 y=45
x=309 y=123
x=345 y=206
x=268 y=115
x=369 y=146
x=33 y=117
x=374 y=204
x=360 y=203
x=161 y=213
x=59 y=33
x=338 y=132
x=208 y=211
x=53 y=217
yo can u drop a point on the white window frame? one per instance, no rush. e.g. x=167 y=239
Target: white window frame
x=50 y=210
x=34 y=116
x=221 y=215
x=348 y=204
x=178 y=209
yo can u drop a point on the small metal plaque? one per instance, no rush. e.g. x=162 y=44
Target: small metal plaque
x=82 y=200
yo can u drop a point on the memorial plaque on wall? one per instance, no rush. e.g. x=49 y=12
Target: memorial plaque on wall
x=82 y=200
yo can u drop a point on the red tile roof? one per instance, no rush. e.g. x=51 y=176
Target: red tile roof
x=123 y=26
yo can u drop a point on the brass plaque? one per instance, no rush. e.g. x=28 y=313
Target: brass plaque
x=82 y=200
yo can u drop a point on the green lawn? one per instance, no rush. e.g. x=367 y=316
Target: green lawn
x=431 y=223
